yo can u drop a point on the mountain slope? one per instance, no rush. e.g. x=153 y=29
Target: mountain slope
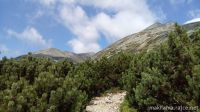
x=147 y=39
x=155 y=34
x=56 y=54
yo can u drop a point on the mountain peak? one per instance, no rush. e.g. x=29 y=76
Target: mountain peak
x=57 y=54
x=155 y=25
x=52 y=49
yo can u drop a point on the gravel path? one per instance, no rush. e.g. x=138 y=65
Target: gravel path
x=109 y=103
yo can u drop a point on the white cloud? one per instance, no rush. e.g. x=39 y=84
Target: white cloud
x=80 y=46
x=128 y=17
x=31 y=36
x=193 y=20
x=75 y=19
x=118 y=26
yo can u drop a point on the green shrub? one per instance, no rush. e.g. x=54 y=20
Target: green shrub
x=125 y=107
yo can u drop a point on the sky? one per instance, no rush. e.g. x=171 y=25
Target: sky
x=83 y=25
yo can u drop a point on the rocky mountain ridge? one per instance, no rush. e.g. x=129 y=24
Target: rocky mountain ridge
x=56 y=54
x=146 y=39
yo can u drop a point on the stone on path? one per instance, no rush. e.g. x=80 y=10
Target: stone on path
x=109 y=103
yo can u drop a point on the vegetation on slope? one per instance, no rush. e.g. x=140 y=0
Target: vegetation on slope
x=39 y=85
x=168 y=75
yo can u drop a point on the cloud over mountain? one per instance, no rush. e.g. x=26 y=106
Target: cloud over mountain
x=110 y=20
x=195 y=15
x=31 y=37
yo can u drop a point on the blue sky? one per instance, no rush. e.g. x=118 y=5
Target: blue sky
x=82 y=25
